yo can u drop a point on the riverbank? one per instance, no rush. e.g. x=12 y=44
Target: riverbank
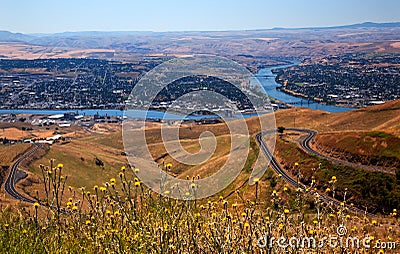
x=315 y=99
x=267 y=78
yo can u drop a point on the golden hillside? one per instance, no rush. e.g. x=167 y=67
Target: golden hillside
x=384 y=117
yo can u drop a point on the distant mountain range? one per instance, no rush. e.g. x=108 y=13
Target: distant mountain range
x=282 y=43
x=6 y=36
x=360 y=25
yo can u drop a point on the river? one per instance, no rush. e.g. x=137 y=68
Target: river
x=264 y=76
x=151 y=114
x=267 y=80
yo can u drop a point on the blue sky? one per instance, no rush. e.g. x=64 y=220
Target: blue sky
x=49 y=16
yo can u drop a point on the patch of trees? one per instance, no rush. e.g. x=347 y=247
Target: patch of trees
x=280 y=130
x=99 y=162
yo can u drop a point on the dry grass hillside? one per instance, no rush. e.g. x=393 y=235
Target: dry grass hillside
x=385 y=117
x=366 y=147
x=105 y=143
x=368 y=136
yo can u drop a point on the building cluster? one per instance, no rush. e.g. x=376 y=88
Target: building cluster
x=101 y=84
x=66 y=119
x=204 y=95
x=355 y=80
x=68 y=83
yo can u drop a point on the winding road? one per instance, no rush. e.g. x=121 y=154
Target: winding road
x=289 y=179
x=305 y=145
x=12 y=178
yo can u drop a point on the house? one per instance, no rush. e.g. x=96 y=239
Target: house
x=54 y=138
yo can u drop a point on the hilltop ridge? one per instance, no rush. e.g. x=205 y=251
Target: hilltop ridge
x=283 y=43
x=384 y=117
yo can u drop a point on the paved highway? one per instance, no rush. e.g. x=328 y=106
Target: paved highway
x=278 y=169
x=11 y=180
x=305 y=144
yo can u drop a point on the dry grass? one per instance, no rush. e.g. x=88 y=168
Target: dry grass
x=395 y=45
x=30 y=52
x=379 y=144
x=16 y=131
x=17 y=134
x=134 y=219
x=8 y=153
x=382 y=117
x=13 y=133
x=79 y=157
x=123 y=216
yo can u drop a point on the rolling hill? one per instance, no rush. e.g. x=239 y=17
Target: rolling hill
x=259 y=44
x=384 y=117
x=80 y=162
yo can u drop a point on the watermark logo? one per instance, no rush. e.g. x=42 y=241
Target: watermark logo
x=341 y=230
x=336 y=241
x=188 y=91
